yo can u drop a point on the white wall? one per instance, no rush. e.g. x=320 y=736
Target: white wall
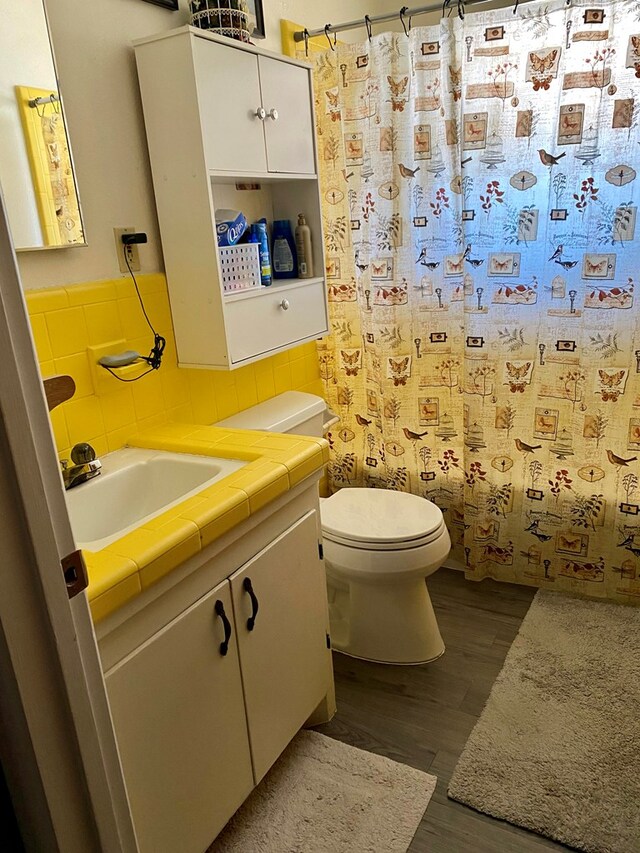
x=92 y=44
x=25 y=60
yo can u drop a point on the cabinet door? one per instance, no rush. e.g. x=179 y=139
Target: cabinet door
x=290 y=135
x=179 y=718
x=229 y=97
x=284 y=657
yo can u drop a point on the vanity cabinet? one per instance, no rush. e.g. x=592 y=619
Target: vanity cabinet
x=229 y=126
x=206 y=703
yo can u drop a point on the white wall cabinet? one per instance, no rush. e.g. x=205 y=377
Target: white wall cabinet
x=220 y=114
x=199 y=724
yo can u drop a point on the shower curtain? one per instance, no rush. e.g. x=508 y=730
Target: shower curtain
x=479 y=190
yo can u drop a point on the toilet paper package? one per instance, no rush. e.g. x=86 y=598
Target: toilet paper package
x=230 y=226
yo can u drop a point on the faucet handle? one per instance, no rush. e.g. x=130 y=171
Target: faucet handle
x=82 y=454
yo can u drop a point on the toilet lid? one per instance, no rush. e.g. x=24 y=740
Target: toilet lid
x=379 y=515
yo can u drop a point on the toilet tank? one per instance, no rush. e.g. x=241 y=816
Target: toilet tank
x=293 y=412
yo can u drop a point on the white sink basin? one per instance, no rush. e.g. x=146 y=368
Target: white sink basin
x=134 y=486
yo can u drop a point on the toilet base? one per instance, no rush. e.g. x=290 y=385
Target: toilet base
x=384 y=623
x=391 y=662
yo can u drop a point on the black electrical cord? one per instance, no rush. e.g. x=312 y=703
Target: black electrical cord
x=154 y=359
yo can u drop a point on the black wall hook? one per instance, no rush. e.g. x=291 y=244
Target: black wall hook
x=403 y=12
x=327 y=30
x=367 y=23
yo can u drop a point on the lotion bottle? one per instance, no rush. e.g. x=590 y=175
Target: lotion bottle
x=303 y=248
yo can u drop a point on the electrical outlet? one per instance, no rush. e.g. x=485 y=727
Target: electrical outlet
x=131 y=251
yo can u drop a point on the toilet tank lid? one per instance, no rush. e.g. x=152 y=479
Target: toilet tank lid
x=279 y=414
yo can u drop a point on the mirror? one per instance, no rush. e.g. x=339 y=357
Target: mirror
x=36 y=168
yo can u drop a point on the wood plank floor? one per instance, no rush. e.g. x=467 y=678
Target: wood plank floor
x=422 y=716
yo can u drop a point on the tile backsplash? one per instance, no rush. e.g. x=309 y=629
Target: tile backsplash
x=66 y=321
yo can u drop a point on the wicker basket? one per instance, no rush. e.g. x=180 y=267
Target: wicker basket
x=224 y=17
x=240 y=267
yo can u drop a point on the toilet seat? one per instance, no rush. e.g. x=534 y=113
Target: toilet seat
x=380 y=520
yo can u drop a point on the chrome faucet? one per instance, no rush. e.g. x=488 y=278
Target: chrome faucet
x=85 y=466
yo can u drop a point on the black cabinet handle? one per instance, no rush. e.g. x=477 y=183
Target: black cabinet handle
x=224 y=646
x=248 y=588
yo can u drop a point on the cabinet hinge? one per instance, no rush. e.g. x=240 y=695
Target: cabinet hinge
x=321 y=550
x=328 y=641
x=75 y=573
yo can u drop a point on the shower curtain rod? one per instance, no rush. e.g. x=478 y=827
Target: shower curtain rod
x=383 y=19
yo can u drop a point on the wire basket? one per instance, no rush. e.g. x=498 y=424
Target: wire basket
x=224 y=17
x=240 y=267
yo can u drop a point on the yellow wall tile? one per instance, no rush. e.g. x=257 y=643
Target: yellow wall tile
x=77 y=366
x=59 y=427
x=119 y=437
x=147 y=396
x=117 y=409
x=84 y=419
x=103 y=323
x=298 y=373
x=175 y=391
x=51 y=299
x=41 y=337
x=67 y=331
x=181 y=414
x=282 y=378
x=93 y=292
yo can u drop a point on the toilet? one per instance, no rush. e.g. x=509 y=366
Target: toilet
x=379 y=548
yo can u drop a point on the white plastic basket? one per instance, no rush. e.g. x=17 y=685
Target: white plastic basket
x=240 y=267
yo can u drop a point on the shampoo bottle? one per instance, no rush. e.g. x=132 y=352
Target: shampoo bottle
x=304 y=249
x=285 y=263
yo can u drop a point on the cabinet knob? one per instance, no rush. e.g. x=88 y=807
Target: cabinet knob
x=285 y=304
x=273 y=113
x=261 y=113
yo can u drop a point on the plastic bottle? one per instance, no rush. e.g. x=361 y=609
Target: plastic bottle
x=260 y=235
x=285 y=262
x=304 y=249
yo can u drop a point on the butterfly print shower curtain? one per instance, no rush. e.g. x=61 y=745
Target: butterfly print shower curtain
x=480 y=212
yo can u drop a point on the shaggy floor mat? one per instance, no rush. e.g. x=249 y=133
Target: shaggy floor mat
x=324 y=796
x=557 y=748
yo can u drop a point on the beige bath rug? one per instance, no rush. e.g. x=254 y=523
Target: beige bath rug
x=324 y=796
x=557 y=748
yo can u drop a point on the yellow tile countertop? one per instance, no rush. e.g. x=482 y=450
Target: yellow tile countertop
x=276 y=463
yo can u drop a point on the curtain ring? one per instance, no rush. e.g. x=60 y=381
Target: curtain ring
x=515 y=7
x=403 y=12
x=327 y=30
x=446 y=5
x=367 y=23
x=305 y=35
x=55 y=103
x=461 y=9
